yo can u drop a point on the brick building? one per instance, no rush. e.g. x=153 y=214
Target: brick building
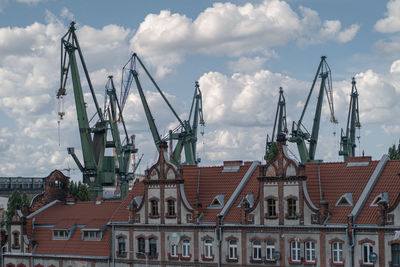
x=239 y=214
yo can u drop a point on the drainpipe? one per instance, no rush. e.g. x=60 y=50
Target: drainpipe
x=218 y=235
x=112 y=245
x=32 y=255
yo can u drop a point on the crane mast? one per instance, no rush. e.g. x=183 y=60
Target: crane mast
x=348 y=139
x=185 y=134
x=299 y=132
x=98 y=170
x=279 y=125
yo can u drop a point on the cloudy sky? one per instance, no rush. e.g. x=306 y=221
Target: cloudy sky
x=241 y=52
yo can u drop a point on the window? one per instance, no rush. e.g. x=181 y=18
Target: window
x=60 y=234
x=295 y=251
x=186 y=248
x=256 y=250
x=171 y=207
x=91 y=235
x=271 y=206
x=270 y=249
x=121 y=246
x=232 y=249
x=310 y=251
x=366 y=252
x=337 y=252
x=16 y=240
x=153 y=247
x=395 y=254
x=154 y=207
x=208 y=253
x=291 y=208
x=174 y=250
x=141 y=246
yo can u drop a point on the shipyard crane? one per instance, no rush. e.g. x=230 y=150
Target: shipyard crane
x=279 y=125
x=97 y=169
x=299 y=133
x=185 y=134
x=348 y=139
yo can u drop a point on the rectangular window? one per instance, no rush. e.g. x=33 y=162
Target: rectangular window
x=186 y=248
x=92 y=235
x=153 y=247
x=271 y=207
x=291 y=208
x=60 y=234
x=295 y=251
x=256 y=250
x=208 y=248
x=141 y=246
x=310 y=251
x=366 y=252
x=232 y=249
x=395 y=254
x=171 y=207
x=337 y=251
x=154 y=208
x=174 y=250
x=270 y=250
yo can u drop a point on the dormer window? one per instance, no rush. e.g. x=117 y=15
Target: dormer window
x=217 y=202
x=381 y=199
x=91 y=235
x=345 y=200
x=61 y=234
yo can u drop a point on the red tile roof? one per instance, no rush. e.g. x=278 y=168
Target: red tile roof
x=122 y=213
x=84 y=215
x=337 y=179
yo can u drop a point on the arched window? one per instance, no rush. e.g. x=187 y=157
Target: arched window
x=295 y=251
x=186 y=248
x=271 y=207
x=337 y=252
x=154 y=207
x=208 y=253
x=291 y=207
x=121 y=247
x=174 y=250
x=171 y=207
x=256 y=250
x=367 y=249
x=141 y=246
x=232 y=249
x=270 y=249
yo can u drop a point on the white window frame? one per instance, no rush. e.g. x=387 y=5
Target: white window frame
x=337 y=252
x=295 y=251
x=367 y=248
x=232 y=255
x=174 y=250
x=208 y=253
x=269 y=250
x=309 y=251
x=186 y=248
x=256 y=244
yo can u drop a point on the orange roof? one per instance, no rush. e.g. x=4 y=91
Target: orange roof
x=336 y=180
x=122 y=213
x=83 y=215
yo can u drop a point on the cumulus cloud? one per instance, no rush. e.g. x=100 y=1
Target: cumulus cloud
x=232 y=30
x=247 y=65
x=391 y=22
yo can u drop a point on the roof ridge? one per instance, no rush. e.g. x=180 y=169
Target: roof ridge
x=239 y=188
x=369 y=187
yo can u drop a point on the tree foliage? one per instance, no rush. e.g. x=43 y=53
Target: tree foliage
x=16 y=202
x=272 y=152
x=394 y=153
x=79 y=190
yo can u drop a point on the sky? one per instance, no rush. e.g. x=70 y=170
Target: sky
x=241 y=52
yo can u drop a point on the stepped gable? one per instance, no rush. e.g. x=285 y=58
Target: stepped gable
x=388 y=182
x=76 y=217
x=55 y=188
x=214 y=181
x=337 y=179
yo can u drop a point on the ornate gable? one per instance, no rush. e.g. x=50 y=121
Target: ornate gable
x=163 y=169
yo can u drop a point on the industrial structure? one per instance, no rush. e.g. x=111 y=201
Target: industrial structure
x=299 y=133
x=185 y=134
x=98 y=170
x=348 y=138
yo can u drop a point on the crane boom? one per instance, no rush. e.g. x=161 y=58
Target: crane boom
x=299 y=132
x=348 y=140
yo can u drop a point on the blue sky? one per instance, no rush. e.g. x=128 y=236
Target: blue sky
x=241 y=52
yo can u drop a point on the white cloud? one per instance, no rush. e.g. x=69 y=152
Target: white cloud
x=232 y=30
x=391 y=22
x=247 y=65
x=31 y=2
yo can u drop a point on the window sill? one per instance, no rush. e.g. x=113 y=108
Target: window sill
x=337 y=263
x=170 y=216
x=154 y=216
x=292 y=262
x=256 y=261
x=270 y=261
x=271 y=217
x=204 y=258
x=310 y=262
x=170 y=257
x=121 y=254
x=185 y=258
x=232 y=260
x=296 y=217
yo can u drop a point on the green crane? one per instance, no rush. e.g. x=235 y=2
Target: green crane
x=185 y=134
x=348 y=140
x=98 y=170
x=279 y=125
x=299 y=132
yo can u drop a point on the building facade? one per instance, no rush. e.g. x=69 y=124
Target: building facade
x=240 y=214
